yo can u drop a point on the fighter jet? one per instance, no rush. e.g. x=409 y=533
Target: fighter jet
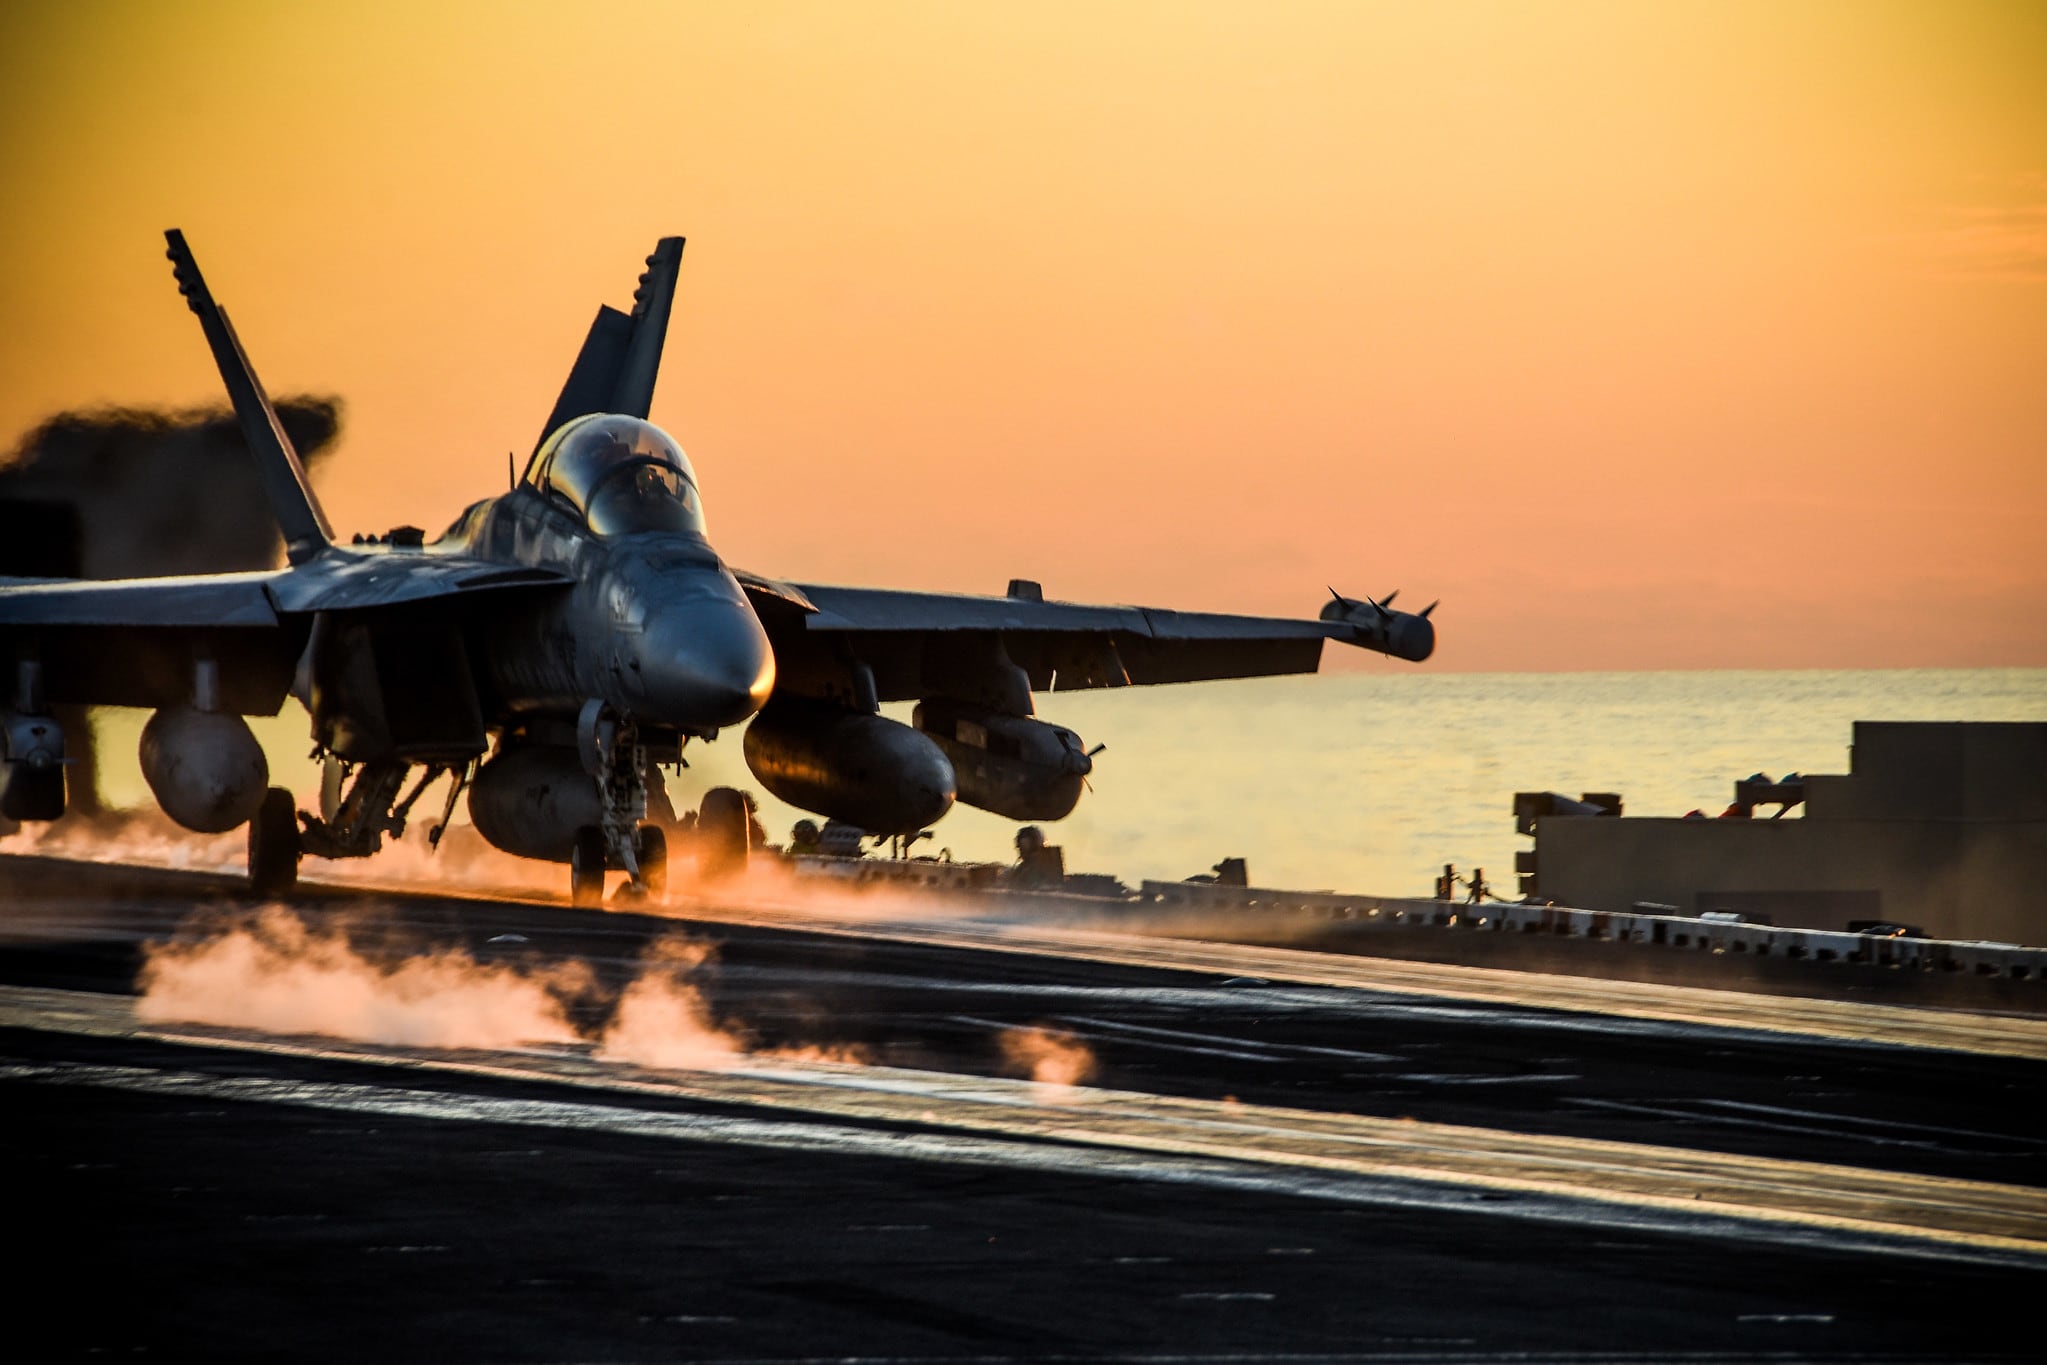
x=562 y=641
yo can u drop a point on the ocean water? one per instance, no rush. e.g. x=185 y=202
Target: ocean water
x=1370 y=782
x=1365 y=782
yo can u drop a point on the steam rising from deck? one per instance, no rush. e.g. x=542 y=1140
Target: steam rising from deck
x=277 y=974
x=1049 y=1057
x=274 y=972
x=278 y=971
x=663 y=1020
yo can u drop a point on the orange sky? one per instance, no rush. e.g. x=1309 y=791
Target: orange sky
x=1645 y=335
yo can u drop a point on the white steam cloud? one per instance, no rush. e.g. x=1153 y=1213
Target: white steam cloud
x=276 y=974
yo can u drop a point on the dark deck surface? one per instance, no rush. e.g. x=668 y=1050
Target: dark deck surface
x=232 y=1202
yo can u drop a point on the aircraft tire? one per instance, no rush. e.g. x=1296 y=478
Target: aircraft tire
x=650 y=847
x=586 y=867
x=274 y=845
x=721 y=833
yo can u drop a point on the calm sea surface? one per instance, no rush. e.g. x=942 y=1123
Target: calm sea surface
x=1369 y=782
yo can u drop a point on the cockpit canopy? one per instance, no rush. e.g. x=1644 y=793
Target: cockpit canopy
x=623 y=474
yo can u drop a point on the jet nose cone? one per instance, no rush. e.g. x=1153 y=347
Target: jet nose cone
x=707 y=663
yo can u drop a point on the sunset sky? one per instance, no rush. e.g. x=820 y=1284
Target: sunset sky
x=1645 y=335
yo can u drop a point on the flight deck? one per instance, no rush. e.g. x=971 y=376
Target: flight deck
x=921 y=1138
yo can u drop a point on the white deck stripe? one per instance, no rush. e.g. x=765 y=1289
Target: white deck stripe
x=1081 y=1130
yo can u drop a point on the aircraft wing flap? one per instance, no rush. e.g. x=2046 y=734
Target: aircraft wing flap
x=1188 y=646
x=1201 y=658
x=230 y=601
x=354 y=581
x=883 y=609
x=1199 y=625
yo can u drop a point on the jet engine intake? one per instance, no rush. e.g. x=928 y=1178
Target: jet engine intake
x=205 y=768
x=1015 y=766
x=864 y=769
x=532 y=798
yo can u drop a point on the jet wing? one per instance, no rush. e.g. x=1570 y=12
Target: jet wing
x=193 y=602
x=337 y=581
x=912 y=642
x=131 y=642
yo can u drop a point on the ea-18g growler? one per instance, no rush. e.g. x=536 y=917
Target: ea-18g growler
x=562 y=641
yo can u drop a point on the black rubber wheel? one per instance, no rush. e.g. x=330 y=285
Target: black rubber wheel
x=650 y=847
x=586 y=867
x=721 y=833
x=274 y=845
x=33 y=795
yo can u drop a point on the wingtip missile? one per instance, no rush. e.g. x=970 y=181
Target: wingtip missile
x=299 y=516
x=1404 y=635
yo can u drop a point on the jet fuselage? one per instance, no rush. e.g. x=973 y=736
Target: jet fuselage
x=654 y=624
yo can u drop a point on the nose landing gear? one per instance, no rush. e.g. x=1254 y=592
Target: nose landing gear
x=612 y=753
x=586 y=867
x=590 y=858
x=650 y=847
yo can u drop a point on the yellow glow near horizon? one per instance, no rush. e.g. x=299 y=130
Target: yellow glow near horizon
x=1676 y=335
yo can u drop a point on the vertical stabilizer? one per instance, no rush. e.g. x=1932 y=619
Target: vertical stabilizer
x=298 y=513
x=595 y=374
x=621 y=356
x=652 y=301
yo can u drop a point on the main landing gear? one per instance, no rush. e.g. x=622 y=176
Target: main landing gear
x=723 y=833
x=274 y=847
x=359 y=805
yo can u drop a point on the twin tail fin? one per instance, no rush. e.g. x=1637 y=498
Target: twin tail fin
x=299 y=517
x=621 y=357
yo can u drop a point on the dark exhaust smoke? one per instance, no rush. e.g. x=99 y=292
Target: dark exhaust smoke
x=139 y=492
x=146 y=492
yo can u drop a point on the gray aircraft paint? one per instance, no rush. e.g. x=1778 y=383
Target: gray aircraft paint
x=532 y=624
